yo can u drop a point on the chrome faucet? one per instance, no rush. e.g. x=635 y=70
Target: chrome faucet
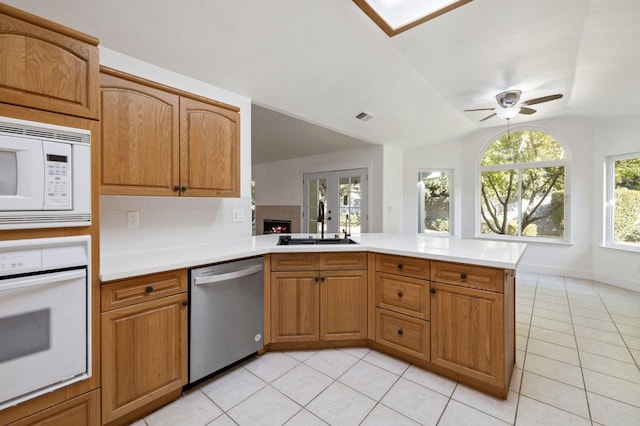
x=321 y=218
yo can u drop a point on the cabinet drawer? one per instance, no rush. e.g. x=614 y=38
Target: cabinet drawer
x=340 y=261
x=402 y=294
x=480 y=277
x=117 y=294
x=318 y=261
x=403 y=333
x=295 y=262
x=407 y=266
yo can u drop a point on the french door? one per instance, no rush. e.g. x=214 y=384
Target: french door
x=344 y=195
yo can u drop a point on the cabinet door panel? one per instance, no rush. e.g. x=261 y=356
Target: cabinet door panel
x=209 y=149
x=343 y=305
x=295 y=308
x=139 y=139
x=467 y=332
x=144 y=354
x=47 y=69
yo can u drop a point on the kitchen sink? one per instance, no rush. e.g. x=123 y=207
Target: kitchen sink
x=286 y=240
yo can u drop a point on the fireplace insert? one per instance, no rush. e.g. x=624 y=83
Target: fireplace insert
x=277 y=226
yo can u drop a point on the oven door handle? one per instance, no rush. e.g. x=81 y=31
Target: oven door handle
x=44 y=279
x=226 y=277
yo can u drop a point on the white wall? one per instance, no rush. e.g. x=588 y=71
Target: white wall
x=392 y=190
x=614 y=136
x=279 y=183
x=174 y=221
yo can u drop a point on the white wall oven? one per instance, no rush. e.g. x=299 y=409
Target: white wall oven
x=45 y=311
x=45 y=175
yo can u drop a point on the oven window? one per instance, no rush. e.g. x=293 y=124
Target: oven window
x=9 y=176
x=24 y=334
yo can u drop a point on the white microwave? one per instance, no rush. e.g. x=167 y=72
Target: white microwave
x=45 y=175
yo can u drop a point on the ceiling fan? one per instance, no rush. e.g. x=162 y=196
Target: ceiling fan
x=509 y=106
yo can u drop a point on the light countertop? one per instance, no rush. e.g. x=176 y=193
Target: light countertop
x=500 y=254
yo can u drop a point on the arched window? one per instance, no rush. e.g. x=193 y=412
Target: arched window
x=522 y=186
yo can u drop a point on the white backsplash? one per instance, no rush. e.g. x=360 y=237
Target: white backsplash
x=170 y=222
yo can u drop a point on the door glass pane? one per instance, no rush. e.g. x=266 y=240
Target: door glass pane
x=9 y=175
x=317 y=193
x=350 y=209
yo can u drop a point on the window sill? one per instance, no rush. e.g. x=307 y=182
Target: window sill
x=622 y=248
x=529 y=240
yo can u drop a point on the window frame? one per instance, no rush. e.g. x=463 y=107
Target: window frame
x=566 y=163
x=450 y=172
x=609 y=202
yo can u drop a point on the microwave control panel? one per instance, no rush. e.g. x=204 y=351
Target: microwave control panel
x=57 y=164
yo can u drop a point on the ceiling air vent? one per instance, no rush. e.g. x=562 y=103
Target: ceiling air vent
x=364 y=116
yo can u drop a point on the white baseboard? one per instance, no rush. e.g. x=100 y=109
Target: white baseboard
x=581 y=274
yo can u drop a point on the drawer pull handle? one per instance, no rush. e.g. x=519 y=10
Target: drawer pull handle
x=148 y=288
x=463 y=276
x=399 y=265
x=400 y=332
x=433 y=291
x=400 y=294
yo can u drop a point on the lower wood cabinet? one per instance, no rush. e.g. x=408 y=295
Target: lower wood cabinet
x=144 y=343
x=321 y=304
x=467 y=332
x=80 y=411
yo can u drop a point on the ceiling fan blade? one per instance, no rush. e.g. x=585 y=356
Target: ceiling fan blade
x=527 y=111
x=488 y=117
x=479 y=109
x=542 y=99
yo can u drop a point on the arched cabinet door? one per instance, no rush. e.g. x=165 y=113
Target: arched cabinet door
x=209 y=149
x=47 y=66
x=140 y=138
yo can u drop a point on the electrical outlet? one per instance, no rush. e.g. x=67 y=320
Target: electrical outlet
x=238 y=215
x=133 y=219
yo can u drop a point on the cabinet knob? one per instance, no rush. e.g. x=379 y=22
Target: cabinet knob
x=316 y=279
x=463 y=276
x=176 y=188
x=322 y=279
x=399 y=265
x=183 y=188
x=185 y=303
x=400 y=294
x=148 y=288
x=433 y=291
x=400 y=332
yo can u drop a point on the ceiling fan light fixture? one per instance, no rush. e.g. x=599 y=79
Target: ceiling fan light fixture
x=508 y=113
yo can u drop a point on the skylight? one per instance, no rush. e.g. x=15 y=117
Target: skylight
x=396 y=16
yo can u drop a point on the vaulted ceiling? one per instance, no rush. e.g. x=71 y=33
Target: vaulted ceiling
x=311 y=66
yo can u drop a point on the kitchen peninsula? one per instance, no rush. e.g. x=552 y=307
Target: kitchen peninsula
x=444 y=304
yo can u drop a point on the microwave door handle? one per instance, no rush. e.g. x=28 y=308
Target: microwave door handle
x=37 y=280
x=229 y=276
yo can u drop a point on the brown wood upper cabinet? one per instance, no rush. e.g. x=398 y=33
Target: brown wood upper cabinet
x=46 y=66
x=160 y=141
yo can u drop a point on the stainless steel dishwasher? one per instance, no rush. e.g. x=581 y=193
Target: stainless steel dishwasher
x=226 y=315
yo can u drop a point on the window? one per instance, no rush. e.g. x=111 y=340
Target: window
x=522 y=187
x=434 y=208
x=623 y=213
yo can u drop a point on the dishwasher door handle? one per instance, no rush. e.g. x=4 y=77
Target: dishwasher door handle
x=226 y=277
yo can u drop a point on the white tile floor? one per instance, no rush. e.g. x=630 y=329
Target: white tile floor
x=578 y=350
